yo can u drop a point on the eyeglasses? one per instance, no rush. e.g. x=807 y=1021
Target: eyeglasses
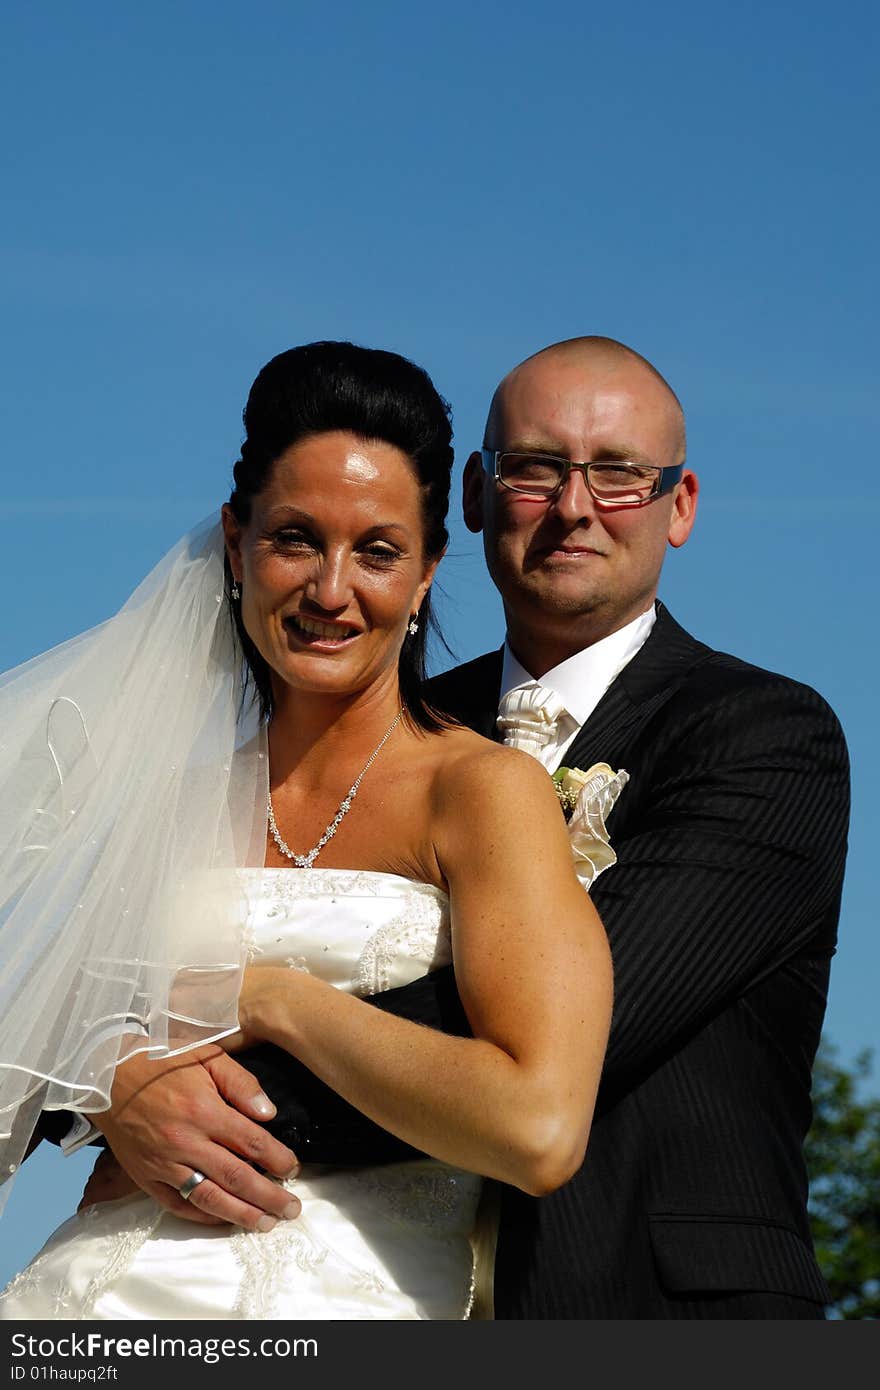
x=610 y=484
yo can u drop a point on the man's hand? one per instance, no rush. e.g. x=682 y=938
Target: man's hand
x=189 y=1113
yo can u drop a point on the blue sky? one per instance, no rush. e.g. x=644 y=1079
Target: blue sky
x=190 y=188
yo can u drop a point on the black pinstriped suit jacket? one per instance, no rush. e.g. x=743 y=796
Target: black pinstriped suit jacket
x=722 y=915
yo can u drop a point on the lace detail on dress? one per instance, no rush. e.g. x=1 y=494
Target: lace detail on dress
x=422 y=1195
x=414 y=934
x=265 y=1261
x=283 y=888
x=55 y=1290
x=124 y=1245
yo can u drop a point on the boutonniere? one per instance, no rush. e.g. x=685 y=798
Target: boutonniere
x=587 y=799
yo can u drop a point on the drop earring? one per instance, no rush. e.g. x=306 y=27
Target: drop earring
x=413 y=625
x=236 y=591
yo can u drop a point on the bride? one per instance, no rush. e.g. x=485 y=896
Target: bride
x=278 y=866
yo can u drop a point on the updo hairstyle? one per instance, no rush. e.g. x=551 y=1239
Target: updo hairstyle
x=377 y=395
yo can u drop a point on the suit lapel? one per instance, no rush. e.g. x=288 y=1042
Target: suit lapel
x=608 y=722
x=644 y=683
x=471 y=692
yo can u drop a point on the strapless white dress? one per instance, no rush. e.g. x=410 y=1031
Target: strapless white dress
x=371 y=1243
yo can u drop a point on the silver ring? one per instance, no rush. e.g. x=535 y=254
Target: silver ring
x=191 y=1184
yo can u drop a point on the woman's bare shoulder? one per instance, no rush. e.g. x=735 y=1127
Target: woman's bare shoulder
x=489 y=802
x=470 y=766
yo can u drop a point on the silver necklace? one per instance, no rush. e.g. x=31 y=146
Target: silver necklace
x=305 y=861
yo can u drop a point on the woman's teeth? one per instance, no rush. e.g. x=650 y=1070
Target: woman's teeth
x=330 y=631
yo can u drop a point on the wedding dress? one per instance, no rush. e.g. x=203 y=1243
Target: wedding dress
x=371 y=1243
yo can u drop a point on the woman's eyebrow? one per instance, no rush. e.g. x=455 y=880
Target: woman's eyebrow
x=288 y=510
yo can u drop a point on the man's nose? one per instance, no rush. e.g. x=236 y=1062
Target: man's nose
x=329 y=585
x=574 y=502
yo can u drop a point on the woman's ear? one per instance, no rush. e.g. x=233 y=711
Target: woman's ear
x=430 y=571
x=232 y=536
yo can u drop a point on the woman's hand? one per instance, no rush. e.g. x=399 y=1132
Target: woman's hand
x=266 y=998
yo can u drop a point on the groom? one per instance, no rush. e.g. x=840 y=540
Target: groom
x=722 y=909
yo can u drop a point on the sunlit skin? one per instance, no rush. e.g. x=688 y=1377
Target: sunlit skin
x=331 y=567
x=569 y=571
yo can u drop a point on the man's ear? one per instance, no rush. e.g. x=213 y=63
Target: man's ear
x=684 y=509
x=472 y=493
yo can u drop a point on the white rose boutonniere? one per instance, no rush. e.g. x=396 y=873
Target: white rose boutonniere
x=587 y=799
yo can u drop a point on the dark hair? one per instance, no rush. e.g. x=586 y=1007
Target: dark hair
x=380 y=396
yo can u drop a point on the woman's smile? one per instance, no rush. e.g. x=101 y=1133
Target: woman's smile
x=315 y=633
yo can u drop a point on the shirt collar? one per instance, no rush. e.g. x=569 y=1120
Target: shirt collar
x=581 y=680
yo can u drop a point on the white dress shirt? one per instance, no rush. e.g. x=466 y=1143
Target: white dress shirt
x=580 y=681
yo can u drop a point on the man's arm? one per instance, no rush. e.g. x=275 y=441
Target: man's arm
x=733 y=864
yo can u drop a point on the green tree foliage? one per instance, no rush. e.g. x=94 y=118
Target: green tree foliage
x=843 y=1162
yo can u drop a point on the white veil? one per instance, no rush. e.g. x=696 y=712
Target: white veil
x=131 y=787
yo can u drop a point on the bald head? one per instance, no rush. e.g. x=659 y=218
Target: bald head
x=566 y=372
x=572 y=569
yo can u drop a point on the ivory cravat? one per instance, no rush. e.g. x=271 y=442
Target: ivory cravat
x=528 y=718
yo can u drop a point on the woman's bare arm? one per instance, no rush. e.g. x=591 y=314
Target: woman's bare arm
x=533 y=969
